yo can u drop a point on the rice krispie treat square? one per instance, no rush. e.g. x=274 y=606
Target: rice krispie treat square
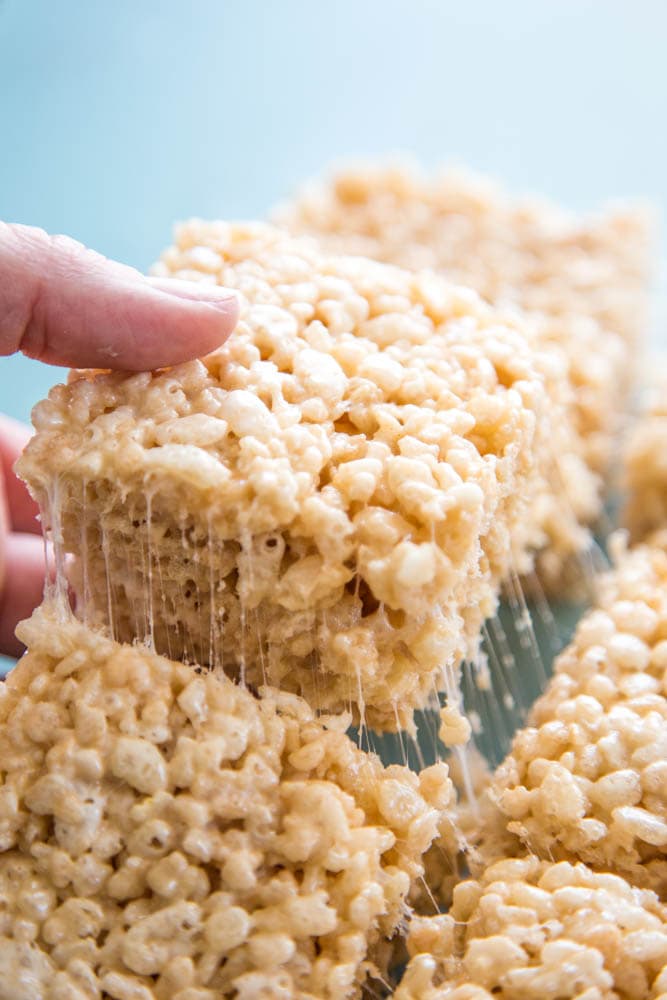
x=327 y=503
x=581 y=283
x=167 y=835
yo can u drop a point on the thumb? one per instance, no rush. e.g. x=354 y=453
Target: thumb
x=67 y=305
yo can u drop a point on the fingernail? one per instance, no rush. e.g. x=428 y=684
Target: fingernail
x=196 y=291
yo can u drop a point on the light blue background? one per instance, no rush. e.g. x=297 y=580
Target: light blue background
x=117 y=118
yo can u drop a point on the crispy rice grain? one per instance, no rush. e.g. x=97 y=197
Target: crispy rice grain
x=166 y=835
x=587 y=779
x=328 y=502
x=582 y=284
x=535 y=930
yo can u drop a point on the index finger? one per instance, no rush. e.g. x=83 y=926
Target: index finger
x=22 y=510
x=67 y=305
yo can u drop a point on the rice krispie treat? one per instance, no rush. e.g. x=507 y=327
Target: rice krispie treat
x=328 y=502
x=587 y=779
x=167 y=835
x=523 y=251
x=535 y=930
x=645 y=462
x=582 y=284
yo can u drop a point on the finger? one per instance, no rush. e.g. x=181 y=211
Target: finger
x=23 y=587
x=67 y=305
x=22 y=509
x=4 y=531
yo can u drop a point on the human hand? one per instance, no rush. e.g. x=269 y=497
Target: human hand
x=67 y=305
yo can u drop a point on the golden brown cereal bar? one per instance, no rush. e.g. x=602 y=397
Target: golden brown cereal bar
x=167 y=835
x=327 y=503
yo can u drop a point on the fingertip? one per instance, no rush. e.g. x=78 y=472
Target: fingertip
x=23 y=511
x=165 y=328
x=194 y=291
x=69 y=306
x=201 y=316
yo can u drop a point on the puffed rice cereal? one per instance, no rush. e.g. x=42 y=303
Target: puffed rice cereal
x=328 y=502
x=536 y=930
x=583 y=284
x=167 y=835
x=587 y=779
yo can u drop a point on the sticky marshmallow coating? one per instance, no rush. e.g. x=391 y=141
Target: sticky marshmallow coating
x=535 y=930
x=587 y=779
x=167 y=835
x=582 y=284
x=328 y=502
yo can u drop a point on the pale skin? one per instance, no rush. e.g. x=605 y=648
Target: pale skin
x=66 y=305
